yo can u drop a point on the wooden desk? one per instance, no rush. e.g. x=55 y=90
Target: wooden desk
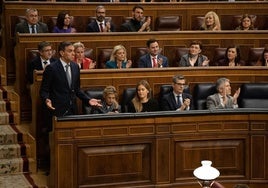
x=159 y=149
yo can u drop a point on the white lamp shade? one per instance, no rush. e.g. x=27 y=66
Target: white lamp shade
x=206 y=171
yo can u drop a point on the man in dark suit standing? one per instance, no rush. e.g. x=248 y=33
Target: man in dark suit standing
x=61 y=84
x=153 y=59
x=100 y=24
x=176 y=99
x=31 y=23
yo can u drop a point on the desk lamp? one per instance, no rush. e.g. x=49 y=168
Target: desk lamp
x=206 y=174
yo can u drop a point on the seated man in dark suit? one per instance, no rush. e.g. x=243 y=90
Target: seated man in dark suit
x=31 y=24
x=223 y=99
x=43 y=59
x=136 y=23
x=176 y=99
x=153 y=59
x=100 y=24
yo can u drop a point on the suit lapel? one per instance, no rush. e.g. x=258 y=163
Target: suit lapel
x=149 y=63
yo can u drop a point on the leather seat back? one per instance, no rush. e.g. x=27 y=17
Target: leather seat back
x=200 y=94
x=254 y=95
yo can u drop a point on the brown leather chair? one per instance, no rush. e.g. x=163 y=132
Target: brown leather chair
x=103 y=57
x=197 y=22
x=89 y=53
x=168 y=23
x=136 y=56
x=254 y=55
x=179 y=52
x=219 y=54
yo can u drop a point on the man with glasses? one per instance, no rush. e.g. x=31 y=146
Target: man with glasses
x=100 y=24
x=43 y=59
x=177 y=99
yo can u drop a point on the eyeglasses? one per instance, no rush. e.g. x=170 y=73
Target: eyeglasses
x=180 y=84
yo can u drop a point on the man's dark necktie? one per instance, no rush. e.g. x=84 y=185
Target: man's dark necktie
x=178 y=101
x=32 y=28
x=45 y=63
x=68 y=74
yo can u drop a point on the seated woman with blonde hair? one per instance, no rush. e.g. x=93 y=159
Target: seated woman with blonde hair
x=118 y=59
x=82 y=61
x=109 y=102
x=142 y=102
x=211 y=22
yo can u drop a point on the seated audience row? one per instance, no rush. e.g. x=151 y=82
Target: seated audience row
x=152 y=59
x=175 y=99
x=137 y=23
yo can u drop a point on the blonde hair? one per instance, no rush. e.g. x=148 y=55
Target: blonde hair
x=78 y=44
x=216 y=23
x=116 y=48
x=136 y=100
x=109 y=90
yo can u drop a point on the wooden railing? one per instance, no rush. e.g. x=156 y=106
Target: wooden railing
x=159 y=149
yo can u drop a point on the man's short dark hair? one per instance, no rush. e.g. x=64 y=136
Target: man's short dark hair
x=150 y=41
x=63 y=45
x=177 y=77
x=136 y=7
x=42 y=45
x=197 y=42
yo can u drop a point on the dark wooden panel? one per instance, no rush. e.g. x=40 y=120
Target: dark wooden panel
x=228 y=156
x=115 y=164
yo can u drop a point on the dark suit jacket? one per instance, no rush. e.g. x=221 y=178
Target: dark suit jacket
x=35 y=64
x=23 y=28
x=93 y=27
x=55 y=87
x=145 y=61
x=168 y=102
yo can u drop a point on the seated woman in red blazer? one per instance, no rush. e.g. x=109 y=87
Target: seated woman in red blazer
x=82 y=61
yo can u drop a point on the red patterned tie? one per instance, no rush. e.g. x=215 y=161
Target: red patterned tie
x=101 y=28
x=154 y=62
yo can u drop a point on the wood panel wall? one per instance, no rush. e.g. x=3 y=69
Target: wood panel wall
x=82 y=10
x=157 y=150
